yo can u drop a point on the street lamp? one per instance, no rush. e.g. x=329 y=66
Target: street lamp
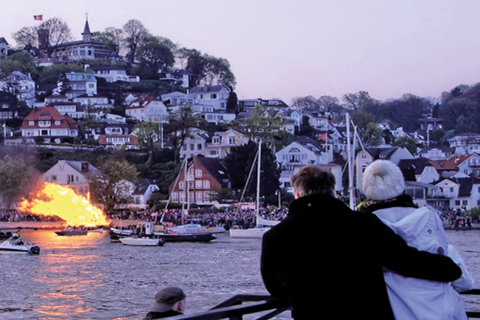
x=279 y=198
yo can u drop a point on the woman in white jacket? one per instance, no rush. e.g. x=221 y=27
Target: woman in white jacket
x=422 y=228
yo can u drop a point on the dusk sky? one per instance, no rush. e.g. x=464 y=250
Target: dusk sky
x=286 y=49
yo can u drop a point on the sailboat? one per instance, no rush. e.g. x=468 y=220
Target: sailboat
x=261 y=225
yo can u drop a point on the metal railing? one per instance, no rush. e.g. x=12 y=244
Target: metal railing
x=238 y=306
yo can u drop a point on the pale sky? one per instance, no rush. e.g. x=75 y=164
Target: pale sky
x=287 y=49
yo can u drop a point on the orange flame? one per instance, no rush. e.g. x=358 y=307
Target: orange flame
x=63 y=202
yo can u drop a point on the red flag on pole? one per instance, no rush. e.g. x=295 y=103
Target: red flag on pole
x=322 y=137
x=38 y=17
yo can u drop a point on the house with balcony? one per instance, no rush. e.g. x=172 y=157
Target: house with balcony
x=306 y=151
x=147 y=108
x=78 y=84
x=195 y=144
x=49 y=125
x=72 y=109
x=458 y=193
x=73 y=174
x=469 y=141
x=222 y=142
x=214 y=96
x=200 y=182
x=113 y=73
x=177 y=77
x=93 y=100
x=177 y=98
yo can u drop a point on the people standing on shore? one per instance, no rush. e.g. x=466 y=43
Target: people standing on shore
x=421 y=228
x=327 y=261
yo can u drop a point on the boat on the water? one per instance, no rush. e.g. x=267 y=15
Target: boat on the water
x=99 y=230
x=5 y=234
x=142 y=241
x=15 y=245
x=261 y=225
x=191 y=233
x=72 y=231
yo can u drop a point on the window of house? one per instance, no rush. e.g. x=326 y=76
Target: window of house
x=213 y=96
x=206 y=184
x=465 y=202
x=192 y=146
x=198 y=173
x=457 y=202
x=199 y=196
x=190 y=185
x=199 y=146
x=53 y=178
x=206 y=196
x=70 y=178
x=198 y=184
x=181 y=185
x=190 y=174
x=231 y=140
x=31 y=123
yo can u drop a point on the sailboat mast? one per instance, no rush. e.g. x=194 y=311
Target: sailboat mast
x=351 y=190
x=258 y=178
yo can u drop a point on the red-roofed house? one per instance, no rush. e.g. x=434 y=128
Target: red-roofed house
x=115 y=141
x=49 y=124
x=464 y=163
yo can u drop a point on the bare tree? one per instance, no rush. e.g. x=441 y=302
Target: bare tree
x=53 y=31
x=26 y=37
x=135 y=33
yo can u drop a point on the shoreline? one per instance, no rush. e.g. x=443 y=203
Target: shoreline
x=46 y=225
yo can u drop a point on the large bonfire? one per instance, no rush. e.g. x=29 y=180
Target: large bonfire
x=63 y=202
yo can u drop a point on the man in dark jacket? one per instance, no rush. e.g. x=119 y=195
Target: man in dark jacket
x=328 y=261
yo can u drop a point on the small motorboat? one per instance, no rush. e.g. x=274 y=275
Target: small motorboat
x=15 y=245
x=99 y=230
x=72 y=231
x=142 y=241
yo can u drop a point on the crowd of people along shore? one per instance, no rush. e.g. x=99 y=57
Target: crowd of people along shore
x=229 y=218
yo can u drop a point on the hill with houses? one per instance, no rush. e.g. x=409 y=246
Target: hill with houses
x=97 y=107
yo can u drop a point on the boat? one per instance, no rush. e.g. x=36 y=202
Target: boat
x=142 y=241
x=5 y=234
x=72 y=231
x=99 y=230
x=16 y=245
x=261 y=225
x=170 y=234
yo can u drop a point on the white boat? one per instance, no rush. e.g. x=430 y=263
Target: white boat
x=15 y=245
x=99 y=230
x=261 y=225
x=142 y=241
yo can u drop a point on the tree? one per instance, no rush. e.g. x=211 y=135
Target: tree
x=308 y=103
x=355 y=101
x=16 y=177
x=206 y=69
x=372 y=135
x=26 y=37
x=134 y=35
x=406 y=142
x=180 y=127
x=232 y=102
x=111 y=37
x=330 y=104
x=109 y=185
x=54 y=31
x=52 y=74
x=154 y=56
x=265 y=123
x=240 y=161
x=147 y=134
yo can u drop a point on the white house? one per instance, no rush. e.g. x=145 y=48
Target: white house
x=73 y=174
x=20 y=85
x=222 y=142
x=215 y=96
x=78 y=84
x=147 y=108
x=302 y=152
x=177 y=98
x=113 y=73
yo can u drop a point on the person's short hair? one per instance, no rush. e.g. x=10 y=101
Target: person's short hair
x=166 y=298
x=312 y=179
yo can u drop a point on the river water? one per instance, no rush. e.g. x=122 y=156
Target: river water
x=89 y=277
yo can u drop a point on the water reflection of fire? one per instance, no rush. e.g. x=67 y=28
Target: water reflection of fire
x=63 y=202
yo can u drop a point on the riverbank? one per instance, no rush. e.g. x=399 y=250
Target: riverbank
x=46 y=225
